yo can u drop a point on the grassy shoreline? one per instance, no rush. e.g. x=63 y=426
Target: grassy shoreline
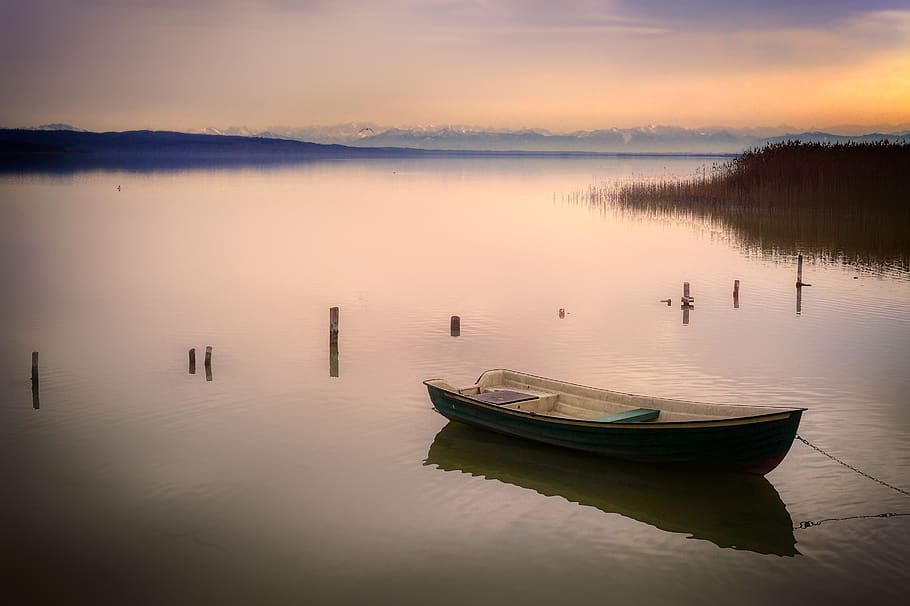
x=837 y=200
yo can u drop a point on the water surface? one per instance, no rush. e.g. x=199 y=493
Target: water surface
x=127 y=478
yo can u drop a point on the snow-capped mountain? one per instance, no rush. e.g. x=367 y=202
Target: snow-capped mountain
x=58 y=126
x=645 y=139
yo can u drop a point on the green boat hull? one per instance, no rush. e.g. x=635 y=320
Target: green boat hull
x=755 y=445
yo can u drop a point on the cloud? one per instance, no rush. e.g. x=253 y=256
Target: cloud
x=690 y=14
x=572 y=64
x=643 y=15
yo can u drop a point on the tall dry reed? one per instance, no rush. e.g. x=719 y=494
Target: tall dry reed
x=841 y=200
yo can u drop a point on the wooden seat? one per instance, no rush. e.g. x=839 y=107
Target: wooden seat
x=629 y=416
x=501 y=397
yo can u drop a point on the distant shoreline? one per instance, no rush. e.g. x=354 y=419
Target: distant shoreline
x=22 y=149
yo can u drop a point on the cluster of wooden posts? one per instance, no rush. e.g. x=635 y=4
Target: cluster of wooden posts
x=208 y=362
x=688 y=304
x=36 y=400
x=688 y=301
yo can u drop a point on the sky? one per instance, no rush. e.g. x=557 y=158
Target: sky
x=559 y=65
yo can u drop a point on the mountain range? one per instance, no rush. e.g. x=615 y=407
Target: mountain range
x=361 y=140
x=645 y=139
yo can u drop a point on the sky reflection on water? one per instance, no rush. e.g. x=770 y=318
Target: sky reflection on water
x=278 y=482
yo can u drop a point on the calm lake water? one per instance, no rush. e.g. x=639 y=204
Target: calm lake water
x=129 y=480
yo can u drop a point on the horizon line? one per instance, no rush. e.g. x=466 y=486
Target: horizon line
x=898 y=129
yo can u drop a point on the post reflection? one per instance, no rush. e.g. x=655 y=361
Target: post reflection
x=36 y=400
x=333 y=358
x=36 y=403
x=736 y=511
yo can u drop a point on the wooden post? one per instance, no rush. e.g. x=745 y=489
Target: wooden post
x=208 y=362
x=455 y=326
x=333 y=323
x=799 y=272
x=687 y=300
x=799 y=299
x=192 y=360
x=36 y=404
x=736 y=294
x=333 y=341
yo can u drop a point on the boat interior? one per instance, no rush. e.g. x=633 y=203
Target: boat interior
x=549 y=397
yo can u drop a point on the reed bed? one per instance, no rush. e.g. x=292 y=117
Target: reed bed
x=849 y=201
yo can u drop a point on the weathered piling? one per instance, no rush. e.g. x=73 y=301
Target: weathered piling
x=333 y=341
x=208 y=362
x=455 y=326
x=799 y=299
x=333 y=323
x=192 y=360
x=799 y=272
x=736 y=294
x=687 y=300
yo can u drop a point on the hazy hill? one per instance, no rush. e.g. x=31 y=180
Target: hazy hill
x=70 y=149
x=155 y=142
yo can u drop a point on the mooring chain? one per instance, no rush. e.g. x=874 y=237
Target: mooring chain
x=848 y=466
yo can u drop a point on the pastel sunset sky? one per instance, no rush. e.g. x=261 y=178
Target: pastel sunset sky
x=560 y=65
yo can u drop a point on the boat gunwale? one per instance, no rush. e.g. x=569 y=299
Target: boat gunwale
x=778 y=411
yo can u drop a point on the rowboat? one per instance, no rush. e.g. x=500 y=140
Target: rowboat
x=749 y=439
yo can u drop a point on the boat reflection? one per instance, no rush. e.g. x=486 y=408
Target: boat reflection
x=738 y=511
